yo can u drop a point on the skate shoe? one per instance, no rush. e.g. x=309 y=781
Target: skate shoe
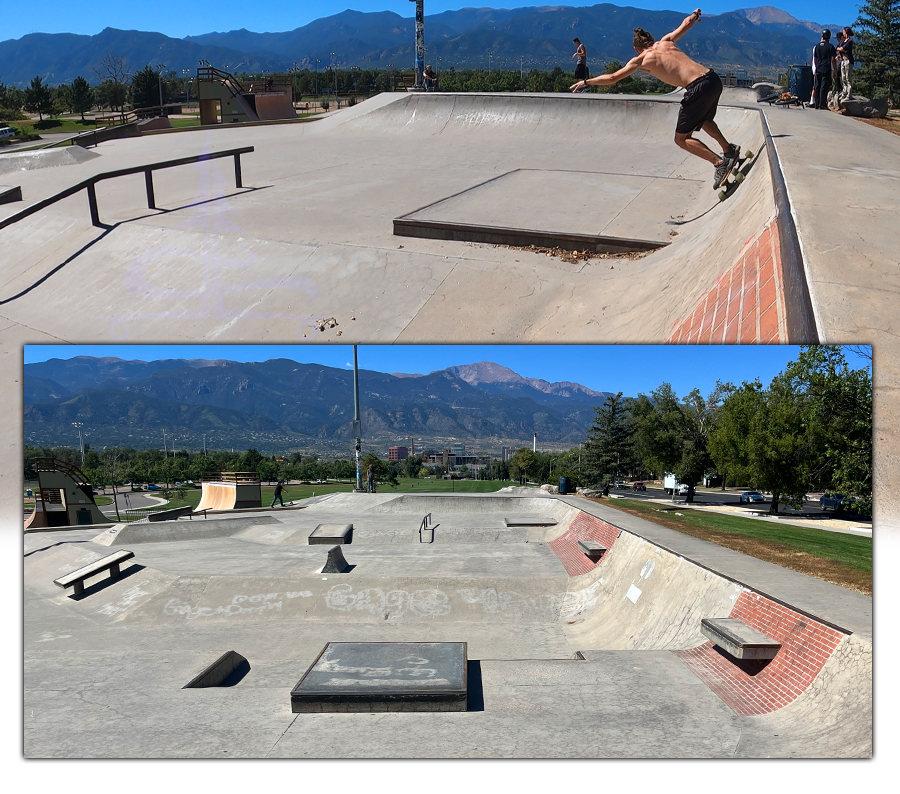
x=723 y=169
x=734 y=152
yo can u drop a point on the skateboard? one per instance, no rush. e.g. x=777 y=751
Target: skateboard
x=737 y=175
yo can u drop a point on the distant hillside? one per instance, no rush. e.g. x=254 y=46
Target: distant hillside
x=762 y=38
x=283 y=403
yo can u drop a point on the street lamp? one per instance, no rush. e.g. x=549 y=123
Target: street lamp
x=78 y=426
x=317 y=78
x=186 y=73
x=160 y=67
x=490 y=59
x=334 y=72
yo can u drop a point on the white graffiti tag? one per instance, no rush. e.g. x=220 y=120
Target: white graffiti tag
x=374 y=600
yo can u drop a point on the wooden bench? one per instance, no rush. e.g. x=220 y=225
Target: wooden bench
x=592 y=549
x=738 y=639
x=111 y=563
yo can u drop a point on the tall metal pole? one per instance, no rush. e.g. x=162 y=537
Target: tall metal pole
x=420 y=41
x=356 y=424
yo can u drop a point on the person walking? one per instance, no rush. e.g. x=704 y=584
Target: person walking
x=703 y=87
x=824 y=67
x=845 y=50
x=580 y=56
x=370 y=479
x=279 y=487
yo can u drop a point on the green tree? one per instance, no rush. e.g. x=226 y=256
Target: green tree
x=729 y=440
x=81 y=97
x=630 y=85
x=412 y=465
x=522 y=464
x=608 y=445
x=877 y=31
x=145 y=86
x=38 y=98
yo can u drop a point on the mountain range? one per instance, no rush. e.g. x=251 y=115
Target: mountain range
x=762 y=40
x=281 y=404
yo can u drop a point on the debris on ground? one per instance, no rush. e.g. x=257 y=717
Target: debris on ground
x=325 y=322
x=573 y=257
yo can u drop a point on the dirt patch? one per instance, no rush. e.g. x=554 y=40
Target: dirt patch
x=767 y=550
x=890 y=124
x=574 y=256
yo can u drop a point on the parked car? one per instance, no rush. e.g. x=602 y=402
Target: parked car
x=751 y=496
x=152 y=487
x=7 y=132
x=683 y=489
x=836 y=501
x=620 y=484
x=638 y=486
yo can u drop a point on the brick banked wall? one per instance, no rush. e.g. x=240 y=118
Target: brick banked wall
x=584 y=527
x=806 y=646
x=746 y=304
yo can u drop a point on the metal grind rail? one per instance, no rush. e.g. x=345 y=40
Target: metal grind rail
x=426 y=524
x=147 y=170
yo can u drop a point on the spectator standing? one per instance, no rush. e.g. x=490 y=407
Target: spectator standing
x=580 y=56
x=845 y=50
x=824 y=68
x=370 y=480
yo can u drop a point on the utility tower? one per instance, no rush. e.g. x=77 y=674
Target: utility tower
x=420 y=42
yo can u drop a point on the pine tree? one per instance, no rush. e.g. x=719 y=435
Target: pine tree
x=38 y=98
x=81 y=98
x=877 y=30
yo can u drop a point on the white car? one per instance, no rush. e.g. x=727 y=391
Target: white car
x=684 y=489
x=751 y=496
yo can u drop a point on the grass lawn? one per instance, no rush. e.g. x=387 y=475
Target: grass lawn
x=845 y=560
x=62 y=124
x=184 y=121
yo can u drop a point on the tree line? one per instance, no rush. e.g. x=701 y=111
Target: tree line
x=810 y=429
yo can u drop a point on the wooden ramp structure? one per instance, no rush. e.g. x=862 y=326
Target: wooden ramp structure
x=230 y=490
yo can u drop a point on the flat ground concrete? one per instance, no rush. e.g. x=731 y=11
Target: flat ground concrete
x=114 y=662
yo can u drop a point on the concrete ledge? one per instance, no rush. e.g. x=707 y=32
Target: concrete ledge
x=10 y=193
x=738 y=639
x=109 y=563
x=331 y=533
x=592 y=549
x=384 y=676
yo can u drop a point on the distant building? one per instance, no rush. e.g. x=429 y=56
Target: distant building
x=398 y=453
x=458 y=449
x=737 y=79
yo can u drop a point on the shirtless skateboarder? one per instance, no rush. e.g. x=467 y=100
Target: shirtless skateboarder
x=702 y=87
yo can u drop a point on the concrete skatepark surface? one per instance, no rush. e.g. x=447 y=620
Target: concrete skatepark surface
x=114 y=661
x=260 y=274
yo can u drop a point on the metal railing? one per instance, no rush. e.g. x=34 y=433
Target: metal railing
x=230 y=476
x=147 y=170
x=426 y=524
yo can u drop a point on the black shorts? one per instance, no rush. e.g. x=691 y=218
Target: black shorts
x=701 y=100
x=581 y=71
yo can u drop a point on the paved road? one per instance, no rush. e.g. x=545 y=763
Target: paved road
x=132 y=501
x=810 y=507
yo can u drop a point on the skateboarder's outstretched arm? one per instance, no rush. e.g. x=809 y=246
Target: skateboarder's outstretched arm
x=683 y=28
x=611 y=79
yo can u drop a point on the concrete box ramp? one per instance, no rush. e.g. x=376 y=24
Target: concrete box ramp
x=44 y=158
x=167 y=531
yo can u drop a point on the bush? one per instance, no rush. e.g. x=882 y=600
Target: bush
x=12 y=115
x=325 y=104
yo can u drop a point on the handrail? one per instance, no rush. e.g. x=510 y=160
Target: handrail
x=54 y=464
x=426 y=524
x=147 y=170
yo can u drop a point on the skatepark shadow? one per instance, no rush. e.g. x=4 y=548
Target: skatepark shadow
x=110 y=227
x=475 y=693
x=237 y=675
x=42 y=279
x=751 y=667
x=106 y=582
x=60 y=543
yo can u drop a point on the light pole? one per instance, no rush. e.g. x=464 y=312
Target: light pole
x=334 y=72
x=317 y=78
x=160 y=68
x=78 y=426
x=490 y=60
x=356 y=424
x=165 y=446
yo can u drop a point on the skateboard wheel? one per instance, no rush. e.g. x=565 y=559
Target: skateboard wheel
x=738 y=178
x=749 y=156
x=723 y=194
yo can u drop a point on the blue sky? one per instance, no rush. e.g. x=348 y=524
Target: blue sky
x=176 y=18
x=627 y=368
